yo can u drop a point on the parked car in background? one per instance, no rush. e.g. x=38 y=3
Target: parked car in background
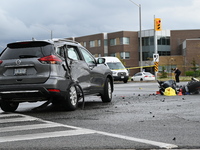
x=58 y=71
x=143 y=76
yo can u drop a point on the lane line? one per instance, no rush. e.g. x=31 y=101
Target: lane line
x=159 y=144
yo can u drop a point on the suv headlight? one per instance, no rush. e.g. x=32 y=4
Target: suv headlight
x=114 y=72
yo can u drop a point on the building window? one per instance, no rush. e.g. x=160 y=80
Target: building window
x=163 y=40
x=84 y=44
x=97 y=55
x=105 y=42
x=147 y=41
x=113 y=42
x=113 y=55
x=151 y=39
x=164 y=53
x=124 y=41
x=124 y=55
x=98 y=43
x=92 y=43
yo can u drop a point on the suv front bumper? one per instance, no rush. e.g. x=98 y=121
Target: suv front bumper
x=120 y=78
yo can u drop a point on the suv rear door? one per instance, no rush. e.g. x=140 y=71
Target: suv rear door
x=79 y=69
x=20 y=63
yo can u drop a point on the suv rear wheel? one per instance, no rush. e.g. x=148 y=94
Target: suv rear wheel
x=9 y=106
x=71 y=100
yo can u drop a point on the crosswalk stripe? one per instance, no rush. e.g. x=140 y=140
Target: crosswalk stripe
x=45 y=135
x=10 y=120
x=27 y=127
x=9 y=115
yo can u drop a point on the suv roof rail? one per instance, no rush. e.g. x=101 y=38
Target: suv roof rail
x=65 y=40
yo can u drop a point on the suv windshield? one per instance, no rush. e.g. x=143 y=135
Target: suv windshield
x=27 y=50
x=115 y=65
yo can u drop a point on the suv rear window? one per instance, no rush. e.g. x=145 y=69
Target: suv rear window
x=27 y=50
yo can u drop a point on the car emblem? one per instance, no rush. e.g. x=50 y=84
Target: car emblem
x=18 y=62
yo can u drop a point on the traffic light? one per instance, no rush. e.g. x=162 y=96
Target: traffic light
x=157 y=24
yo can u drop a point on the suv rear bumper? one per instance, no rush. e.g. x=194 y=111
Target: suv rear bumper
x=34 y=92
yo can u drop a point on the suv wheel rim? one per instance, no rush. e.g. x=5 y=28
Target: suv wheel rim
x=109 y=90
x=73 y=96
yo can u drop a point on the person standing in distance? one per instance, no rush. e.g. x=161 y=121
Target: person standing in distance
x=177 y=74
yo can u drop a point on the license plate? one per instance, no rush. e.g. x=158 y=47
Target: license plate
x=122 y=77
x=20 y=71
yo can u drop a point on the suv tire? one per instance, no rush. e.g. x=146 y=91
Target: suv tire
x=9 y=106
x=107 y=96
x=70 y=102
x=125 y=81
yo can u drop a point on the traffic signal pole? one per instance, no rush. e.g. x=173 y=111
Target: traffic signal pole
x=157 y=27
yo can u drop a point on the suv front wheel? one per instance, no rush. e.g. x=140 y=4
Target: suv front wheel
x=107 y=95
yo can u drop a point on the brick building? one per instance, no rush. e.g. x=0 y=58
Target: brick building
x=176 y=48
x=186 y=44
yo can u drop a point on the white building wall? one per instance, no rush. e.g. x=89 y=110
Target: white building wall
x=148 y=33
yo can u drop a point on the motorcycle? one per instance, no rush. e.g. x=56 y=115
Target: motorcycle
x=165 y=84
x=192 y=87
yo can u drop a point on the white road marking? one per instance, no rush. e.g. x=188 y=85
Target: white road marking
x=44 y=135
x=27 y=127
x=17 y=120
x=159 y=144
x=8 y=115
x=74 y=131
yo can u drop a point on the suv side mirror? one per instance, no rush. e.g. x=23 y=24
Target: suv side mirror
x=101 y=61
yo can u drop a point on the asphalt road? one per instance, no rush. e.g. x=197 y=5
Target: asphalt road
x=137 y=118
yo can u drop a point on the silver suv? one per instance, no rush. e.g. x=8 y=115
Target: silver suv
x=57 y=71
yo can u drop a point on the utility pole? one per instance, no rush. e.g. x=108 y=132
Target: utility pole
x=140 y=22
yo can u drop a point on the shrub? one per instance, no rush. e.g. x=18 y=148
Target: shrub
x=163 y=73
x=189 y=73
x=192 y=73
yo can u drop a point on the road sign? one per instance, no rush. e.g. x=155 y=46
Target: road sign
x=156 y=57
x=156 y=66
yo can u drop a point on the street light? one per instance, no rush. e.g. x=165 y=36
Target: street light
x=140 y=21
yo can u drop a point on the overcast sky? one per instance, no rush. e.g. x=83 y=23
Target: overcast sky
x=24 y=19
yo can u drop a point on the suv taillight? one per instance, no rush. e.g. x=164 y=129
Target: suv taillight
x=1 y=61
x=51 y=59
